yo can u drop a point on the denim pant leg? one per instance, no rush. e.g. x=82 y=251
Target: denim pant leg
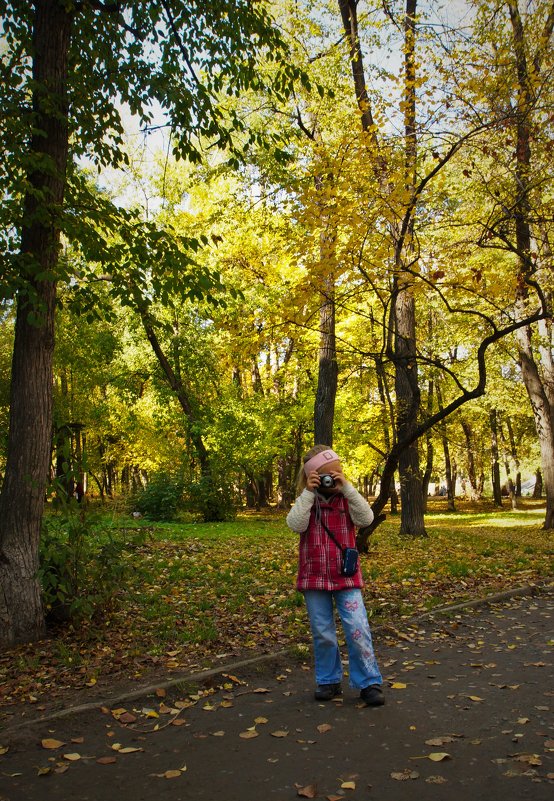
x=328 y=667
x=363 y=665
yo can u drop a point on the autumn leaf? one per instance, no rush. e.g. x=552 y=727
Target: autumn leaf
x=4 y=749
x=51 y=744
x=405 y=775
x=309 y=791
x=72 y=757
x=348 y=786
x=107 y=760
x=440 y=740
x=439 y=756
x=127 y=717
x=436 y=780
x=324 y=727
x=528 y=759
x=398 y=685
x=249 y=735
x=260 y=720
x=279 y=733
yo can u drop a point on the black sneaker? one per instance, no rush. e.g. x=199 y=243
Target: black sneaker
x=373 y=695
x=326 y=692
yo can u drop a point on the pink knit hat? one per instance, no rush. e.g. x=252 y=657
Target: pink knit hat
x=319 y=460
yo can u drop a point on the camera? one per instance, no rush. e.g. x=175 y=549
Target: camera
x=326 y=481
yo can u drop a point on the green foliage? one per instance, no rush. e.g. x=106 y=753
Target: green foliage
x=83 y=568
x=212 y=497
x=161 y=498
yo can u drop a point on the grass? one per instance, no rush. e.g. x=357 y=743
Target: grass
x=197 y=591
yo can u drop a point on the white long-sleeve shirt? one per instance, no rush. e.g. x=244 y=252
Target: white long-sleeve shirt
x=299 y=516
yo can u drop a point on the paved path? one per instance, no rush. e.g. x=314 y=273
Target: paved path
x=477 y=687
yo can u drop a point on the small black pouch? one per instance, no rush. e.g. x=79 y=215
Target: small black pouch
x=349 y=561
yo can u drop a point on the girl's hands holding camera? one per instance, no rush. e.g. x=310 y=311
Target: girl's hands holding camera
x=339 y=478
x=313 y=481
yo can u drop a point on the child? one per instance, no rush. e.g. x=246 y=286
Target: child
x=341 y=508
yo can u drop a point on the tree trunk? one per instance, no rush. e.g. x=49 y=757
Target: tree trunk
x=540 y=389
x=327 y=380
x=406 y=379
x=30 y=427
x=449 y=469
x=537 y=489
x=430 y=450
x=475 y=493
x=495 y=460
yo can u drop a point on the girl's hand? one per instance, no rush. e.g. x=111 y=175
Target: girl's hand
x=339 y=478
x=313 y=481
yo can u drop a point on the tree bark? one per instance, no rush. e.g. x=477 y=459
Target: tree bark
x=327 y=381
x=495 y=460
x=30 y=427
x=538 y=387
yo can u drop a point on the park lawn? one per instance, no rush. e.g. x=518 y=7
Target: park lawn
x=198 y=595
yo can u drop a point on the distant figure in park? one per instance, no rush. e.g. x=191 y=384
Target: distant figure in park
x=325 y=514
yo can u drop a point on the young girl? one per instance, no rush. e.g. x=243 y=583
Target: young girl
x=341 y=508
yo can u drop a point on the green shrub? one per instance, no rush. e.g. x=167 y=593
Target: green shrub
x=82 y=569
x=161 y=498
x=211 y=498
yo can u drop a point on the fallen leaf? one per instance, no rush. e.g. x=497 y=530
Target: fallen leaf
x=161 y=693
x=402 y=776
x=178 y=722
x=72 y=757
x=348 y=786
x=218 y=734
x=249 y=735
x=323 y=727
x=310 y=791
x=61 y=768
x=171 y=774
x=398 y=685
x=107 y=760
x=439 y=756
x=440 y=740
x=261 y=690
x=40 y=772
x=260 y=720
x=116 y=713
x=474 y=698
x=127 y=717
x=4 y=749
x=436 y=780
x=529 y=759
x=78 y=740
x=279 y=733
x=129 y=750
x=51 y=744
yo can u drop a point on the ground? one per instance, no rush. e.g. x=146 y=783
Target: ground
x=469 y=706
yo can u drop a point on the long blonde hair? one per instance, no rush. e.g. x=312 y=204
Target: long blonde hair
x=302 y=478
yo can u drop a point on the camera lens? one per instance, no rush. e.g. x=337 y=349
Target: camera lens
x=327 y=481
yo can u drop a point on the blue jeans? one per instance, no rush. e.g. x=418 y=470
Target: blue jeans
x=328 y=667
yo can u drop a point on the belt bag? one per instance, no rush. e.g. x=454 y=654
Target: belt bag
x=349 y=564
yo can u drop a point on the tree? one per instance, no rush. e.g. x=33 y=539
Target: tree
x=86 y=58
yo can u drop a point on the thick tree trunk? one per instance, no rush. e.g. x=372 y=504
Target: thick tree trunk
x=30 y=428
x=407 y=400
x=540 y=388
x=544 y=420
